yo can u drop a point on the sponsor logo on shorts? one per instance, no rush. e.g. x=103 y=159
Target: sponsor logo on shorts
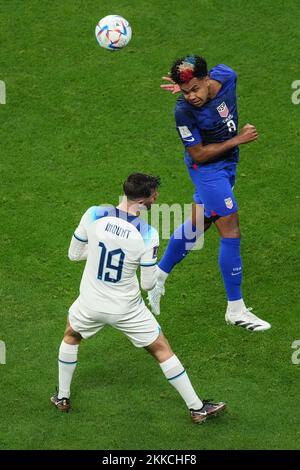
x=228 y=203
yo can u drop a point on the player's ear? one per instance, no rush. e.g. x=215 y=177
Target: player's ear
x=141 y=203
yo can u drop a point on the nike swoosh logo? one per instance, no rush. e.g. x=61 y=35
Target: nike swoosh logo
x=235 y=274
x=190 y=140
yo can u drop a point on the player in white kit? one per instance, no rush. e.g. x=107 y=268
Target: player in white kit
x=115 y=241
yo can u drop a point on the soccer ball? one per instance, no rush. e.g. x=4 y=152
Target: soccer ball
x=113 y=32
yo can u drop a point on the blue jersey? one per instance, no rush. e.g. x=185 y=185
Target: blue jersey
x=215 y=122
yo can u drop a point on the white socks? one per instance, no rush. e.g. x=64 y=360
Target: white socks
x=67 y=361
x=236 y=306
x=172 y=369
x=176 y=375
x=161 y=276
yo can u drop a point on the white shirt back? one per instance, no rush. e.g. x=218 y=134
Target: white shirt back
x=118 y=244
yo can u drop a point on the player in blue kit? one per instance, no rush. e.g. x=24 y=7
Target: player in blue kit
x=207 y=122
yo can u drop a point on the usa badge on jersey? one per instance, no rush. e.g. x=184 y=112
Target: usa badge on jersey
x=228 y=202
x=223 y=110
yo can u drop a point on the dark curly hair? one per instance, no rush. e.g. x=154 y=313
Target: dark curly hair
x=140 y=185
x=188 y=67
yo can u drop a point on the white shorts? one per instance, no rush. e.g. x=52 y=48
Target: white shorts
x=139 y=326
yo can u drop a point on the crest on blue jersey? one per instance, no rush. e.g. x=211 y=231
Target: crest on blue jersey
x=223 y=110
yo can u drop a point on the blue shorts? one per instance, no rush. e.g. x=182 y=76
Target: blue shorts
x=214 y=189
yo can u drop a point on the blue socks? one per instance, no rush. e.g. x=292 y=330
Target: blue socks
x=230 y=262
x=231 y=267
x=179 y=246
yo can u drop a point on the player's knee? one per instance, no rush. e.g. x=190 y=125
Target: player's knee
x=160 y=349
x=234 y=232
x=71 y=336
x=228 y=226
x=163 y=344
x=234 y=227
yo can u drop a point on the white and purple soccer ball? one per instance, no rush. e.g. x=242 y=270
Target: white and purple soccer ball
x=113 y=32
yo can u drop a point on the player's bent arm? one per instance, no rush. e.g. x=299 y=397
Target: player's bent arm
x=78 y=249
x=148 y=277
x=207 y=153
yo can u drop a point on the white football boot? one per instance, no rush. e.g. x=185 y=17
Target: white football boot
x=246 y=319
x=154 y=296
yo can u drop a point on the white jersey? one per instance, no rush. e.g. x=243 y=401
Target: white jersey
x=118 y=243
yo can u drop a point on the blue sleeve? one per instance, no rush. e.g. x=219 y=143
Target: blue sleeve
x=187 y=128
x=223 y=74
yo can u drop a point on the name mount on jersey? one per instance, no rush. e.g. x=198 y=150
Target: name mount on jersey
x=116 y=230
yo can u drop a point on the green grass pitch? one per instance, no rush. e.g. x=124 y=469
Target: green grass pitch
x=77 y=120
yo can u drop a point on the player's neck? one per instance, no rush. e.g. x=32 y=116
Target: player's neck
x=214 y=88
x=132 y=209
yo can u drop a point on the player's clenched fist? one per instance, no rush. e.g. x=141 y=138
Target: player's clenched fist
x=248 y=133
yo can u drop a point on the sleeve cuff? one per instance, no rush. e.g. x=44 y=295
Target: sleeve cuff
x=79 y=239
x=146 y=265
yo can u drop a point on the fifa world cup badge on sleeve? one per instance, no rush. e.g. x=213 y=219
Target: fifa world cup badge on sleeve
x=184 y=132
x=155 y=250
